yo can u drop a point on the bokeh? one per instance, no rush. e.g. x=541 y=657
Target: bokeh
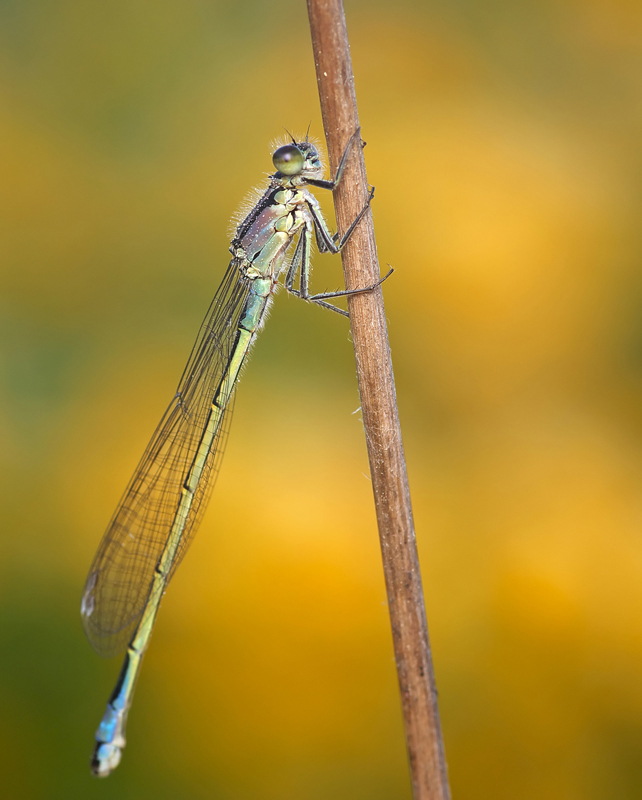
x=504 y=142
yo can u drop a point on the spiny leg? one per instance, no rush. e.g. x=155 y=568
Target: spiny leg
x=323 y=184
x=301 y=254
x=355 y=222
x=317 y=298
x=295 y=264
x=301 y=259
x=325 y=239
x=327 y=242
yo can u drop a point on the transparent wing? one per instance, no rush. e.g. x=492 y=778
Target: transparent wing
x=120 y=579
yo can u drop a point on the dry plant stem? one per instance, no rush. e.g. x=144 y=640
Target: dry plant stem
x=379 y=408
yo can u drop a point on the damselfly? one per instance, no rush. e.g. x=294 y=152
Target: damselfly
x=162 y=506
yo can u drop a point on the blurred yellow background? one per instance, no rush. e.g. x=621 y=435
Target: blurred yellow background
x=504 y=142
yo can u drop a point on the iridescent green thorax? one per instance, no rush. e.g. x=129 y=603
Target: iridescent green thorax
x=263 y=238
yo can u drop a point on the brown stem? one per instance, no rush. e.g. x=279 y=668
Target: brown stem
x=379 y=409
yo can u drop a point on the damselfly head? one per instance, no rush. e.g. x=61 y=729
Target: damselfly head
x=298 y=158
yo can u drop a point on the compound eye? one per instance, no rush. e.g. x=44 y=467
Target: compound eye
x=288 y=159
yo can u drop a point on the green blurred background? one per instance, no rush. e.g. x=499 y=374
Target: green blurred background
x=504 y=141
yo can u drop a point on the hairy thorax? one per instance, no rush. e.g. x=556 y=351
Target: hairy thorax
x=261 y=245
